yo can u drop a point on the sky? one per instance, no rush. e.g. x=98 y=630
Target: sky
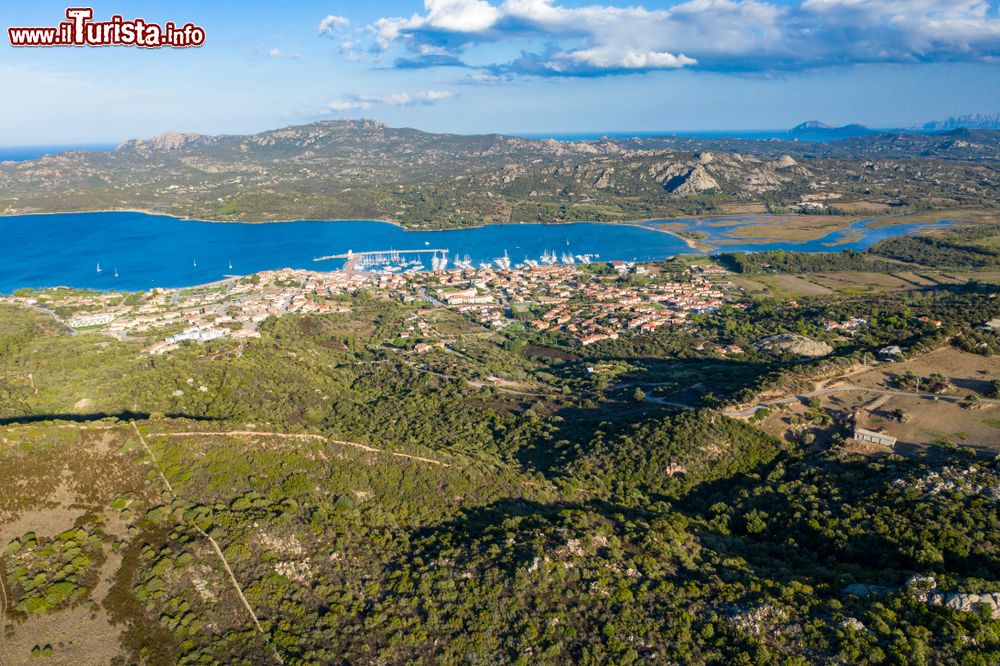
x=514 y=66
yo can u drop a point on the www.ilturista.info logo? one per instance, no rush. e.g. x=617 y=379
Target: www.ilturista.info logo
x=80 y=30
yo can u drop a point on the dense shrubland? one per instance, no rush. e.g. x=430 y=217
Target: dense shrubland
x=573 y=520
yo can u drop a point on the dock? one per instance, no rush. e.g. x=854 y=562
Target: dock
x=378 y=254
x=380 y=257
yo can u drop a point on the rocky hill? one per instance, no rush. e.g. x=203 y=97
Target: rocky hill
x=989 y=121
x=814 y=129
x=365 y=169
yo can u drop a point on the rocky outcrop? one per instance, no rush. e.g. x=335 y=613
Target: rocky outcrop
x=166 y=142
x=604 y=180
x=785 y=162
x=966 y=602
x=866 y=590
x=730 y=173
x=790 y=343
x=685 y=182
x=924 y=588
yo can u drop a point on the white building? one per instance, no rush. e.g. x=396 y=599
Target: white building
x=96 y=319
x=873 y=437
x=198 y=335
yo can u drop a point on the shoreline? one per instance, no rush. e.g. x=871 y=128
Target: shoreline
x=641 y=222
x=694 y=246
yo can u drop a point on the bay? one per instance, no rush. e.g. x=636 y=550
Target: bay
x=149 y=251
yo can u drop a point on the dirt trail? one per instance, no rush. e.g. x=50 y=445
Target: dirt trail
x=215 y=547
x=847 y=388
x=242 y=433
x=372 y=449
x=3 y=621
x=300 y=437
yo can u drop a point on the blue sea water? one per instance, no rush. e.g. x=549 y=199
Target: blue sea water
x=159 y=251
x=24 y=153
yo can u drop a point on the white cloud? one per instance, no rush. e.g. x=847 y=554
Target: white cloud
x=281 y=53
x=744 y=35
x=435 y=95
x=362 y=102
x=332 y=24
x=612 y=59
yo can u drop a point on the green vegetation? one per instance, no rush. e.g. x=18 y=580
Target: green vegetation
x=781 y=261
x=951 y=251
x=365 y=170
x=505 y=498
x=50 y=573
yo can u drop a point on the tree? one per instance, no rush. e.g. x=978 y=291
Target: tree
x=638 y=395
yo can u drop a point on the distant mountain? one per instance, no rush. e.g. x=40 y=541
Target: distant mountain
x=817 y=129
x=811 y=125
x=366 y=170
x=989 y=121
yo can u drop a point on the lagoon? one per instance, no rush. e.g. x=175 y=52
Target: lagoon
x=159 y=251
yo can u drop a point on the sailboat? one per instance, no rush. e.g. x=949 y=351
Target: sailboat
x=98 y=267
x=503 y=262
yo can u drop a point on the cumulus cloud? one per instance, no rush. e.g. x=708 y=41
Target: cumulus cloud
x=332 y=23
x=720 y=35
x=363 y=102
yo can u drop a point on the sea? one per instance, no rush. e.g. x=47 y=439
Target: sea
x=25 y=153
x=136 y=251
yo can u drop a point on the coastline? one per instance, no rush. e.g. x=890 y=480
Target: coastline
x=642 y=223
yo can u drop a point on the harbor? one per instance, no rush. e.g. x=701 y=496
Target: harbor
x=136 y=251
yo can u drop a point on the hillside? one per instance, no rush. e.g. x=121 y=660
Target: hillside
x=366 y=170
x=331 y=491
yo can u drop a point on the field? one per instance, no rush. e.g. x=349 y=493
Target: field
x=964 y=414
x=818 y=284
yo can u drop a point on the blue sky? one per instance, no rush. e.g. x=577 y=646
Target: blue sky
x=508 y=66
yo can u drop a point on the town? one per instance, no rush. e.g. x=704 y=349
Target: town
x=583 y=303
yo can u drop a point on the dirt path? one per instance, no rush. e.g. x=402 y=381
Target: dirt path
x=215 y=547
x=300 y=437
x=243 y=433
x=3 y=621
x=848 y=388
x=372 y=449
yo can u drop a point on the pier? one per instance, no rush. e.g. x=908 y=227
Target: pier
x=378 y=257
x=377 y=254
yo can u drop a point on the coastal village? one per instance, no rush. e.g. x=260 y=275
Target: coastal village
x=585 y=304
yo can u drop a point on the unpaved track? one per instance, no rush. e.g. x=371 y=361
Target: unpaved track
x=849 y=388
x=242 y=433
x=3 y=622
x=215 y=547
x=299 y=437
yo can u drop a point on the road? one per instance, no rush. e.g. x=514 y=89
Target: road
x=299 y=437
x=215 y=547
x=55 y=317
x=847 y=388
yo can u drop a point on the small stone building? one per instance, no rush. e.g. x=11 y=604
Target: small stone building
x=873 y=437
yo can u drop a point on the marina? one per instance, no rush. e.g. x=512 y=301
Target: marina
x=133 y=251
